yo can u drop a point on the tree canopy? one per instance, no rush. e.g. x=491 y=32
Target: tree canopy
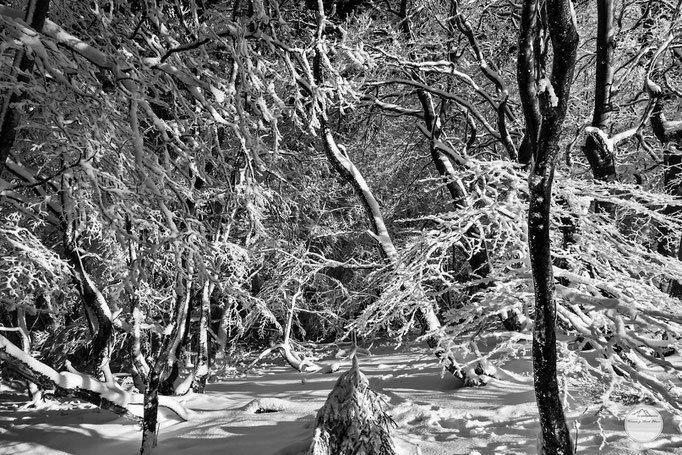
x=181 y=178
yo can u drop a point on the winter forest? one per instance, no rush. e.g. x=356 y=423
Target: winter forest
x=339 y=227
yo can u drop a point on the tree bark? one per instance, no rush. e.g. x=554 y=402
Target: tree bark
x=77 y=385
x=555 y=434
x=178 y=338
x=666 y=132
x=202 y=365
x=598 y=150
x=36 y=13
x=526 y=77
x=493 y=76
x=96 y=308
x=345 y=167
x=33 y=389
x=167 y=360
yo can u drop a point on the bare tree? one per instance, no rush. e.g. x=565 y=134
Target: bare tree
x=553 y=93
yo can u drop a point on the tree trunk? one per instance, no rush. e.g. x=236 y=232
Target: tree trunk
x=527 y=78
x=666 y=132
x=66 y=384
x=600 y=153
x=159 y=375
x=178 y=339
x=555 y=434
x=150 y=424
x=201 y=368
x=223 y=326
x=36 y=13
x=96 y=308
x=33 y=389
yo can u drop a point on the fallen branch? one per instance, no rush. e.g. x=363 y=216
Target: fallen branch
x=78 y=385
x=303 y=365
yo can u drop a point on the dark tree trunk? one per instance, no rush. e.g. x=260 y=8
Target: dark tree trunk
x=36 y=13
x=178 y=341
x=669 y=131
x=96 y=308
x=600 y=153
x=166 y=360
x=45 y=377
x=555 y=434
x=151 y=411
x=527 y=77
x=503 y=111
x=478 y=260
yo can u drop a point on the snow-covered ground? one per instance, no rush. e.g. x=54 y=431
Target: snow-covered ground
x=434 y=415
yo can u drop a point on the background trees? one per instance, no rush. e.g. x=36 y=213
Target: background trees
x=179 y=183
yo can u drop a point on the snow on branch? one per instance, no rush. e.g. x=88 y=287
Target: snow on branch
x=73 y=384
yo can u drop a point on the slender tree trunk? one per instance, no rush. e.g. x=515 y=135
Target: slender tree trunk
x=526 y=75
x=178 y=339
x=555 y=434
x=666 y=132
x=150 y=419
x=166 y=360
x=140 y=370
x=598 y=150
x=201 y=368
x=223 y=327
x=478 y=260
x=33 y=389
x=503 y=111
x=36 y=13
x=96 y=308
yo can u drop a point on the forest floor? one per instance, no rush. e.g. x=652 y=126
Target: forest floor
x=434 y=414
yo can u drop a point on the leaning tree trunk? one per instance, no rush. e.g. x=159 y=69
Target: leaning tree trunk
x=96 y=307
x=478 y=259
x=346 y=169
x=77 y=385
x=556 y=438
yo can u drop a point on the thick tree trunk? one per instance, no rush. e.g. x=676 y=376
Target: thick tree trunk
x=555 y=434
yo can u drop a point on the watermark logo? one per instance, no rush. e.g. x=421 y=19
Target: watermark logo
x=644 y=424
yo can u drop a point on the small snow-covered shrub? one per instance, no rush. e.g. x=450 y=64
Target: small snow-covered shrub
x=352 y=420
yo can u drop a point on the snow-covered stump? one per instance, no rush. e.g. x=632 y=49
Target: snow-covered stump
x=352 y=420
